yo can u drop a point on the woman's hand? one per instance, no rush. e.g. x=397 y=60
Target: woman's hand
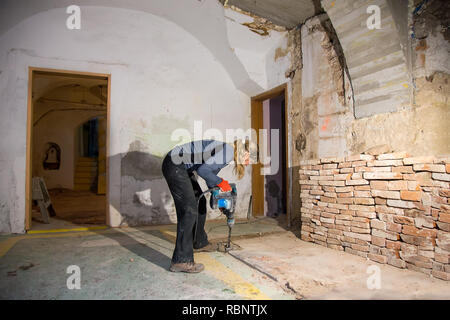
x=224 y=186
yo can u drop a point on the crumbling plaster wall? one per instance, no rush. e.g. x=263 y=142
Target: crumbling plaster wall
x=296 y=118
x=321 y=92
x=421 y=129
x=321 y=95
x=166 y=73
x=321 y=98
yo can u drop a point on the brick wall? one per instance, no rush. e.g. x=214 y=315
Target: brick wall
x=389 y=208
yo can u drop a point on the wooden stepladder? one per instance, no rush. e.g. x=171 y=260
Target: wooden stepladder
x=40 y=194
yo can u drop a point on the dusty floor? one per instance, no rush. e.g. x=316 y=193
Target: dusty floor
x=316 y=272
x=126 y=263
x=73 y=207
x=132 y=263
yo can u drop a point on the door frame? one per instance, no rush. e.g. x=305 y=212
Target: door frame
x=29 y=133
x=256 y=124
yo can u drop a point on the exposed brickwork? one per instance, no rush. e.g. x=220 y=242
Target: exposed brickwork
x=389 y=208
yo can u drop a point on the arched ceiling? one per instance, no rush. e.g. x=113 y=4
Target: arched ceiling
x=44 y=83
x=62 y=92
x=204 y=19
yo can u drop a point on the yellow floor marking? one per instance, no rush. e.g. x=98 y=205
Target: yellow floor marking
x=170 y=235
x=6 y=245
x=67 y=230
x=230 y=278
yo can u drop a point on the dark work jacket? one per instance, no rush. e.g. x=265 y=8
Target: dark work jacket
x=206 y=157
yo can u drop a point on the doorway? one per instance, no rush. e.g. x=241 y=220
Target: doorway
x=67 y=137
x=270 y=183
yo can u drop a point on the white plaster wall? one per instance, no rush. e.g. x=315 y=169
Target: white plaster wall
x=203 y=19
x=278 y=62
x=162 y=78
x=256 y=52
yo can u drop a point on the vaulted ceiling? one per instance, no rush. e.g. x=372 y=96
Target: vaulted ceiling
x=45 y=82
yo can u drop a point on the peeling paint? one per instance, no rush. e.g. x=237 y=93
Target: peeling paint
x=280 y=53
x=335 y=56
x=309 y=119
x=257 y=28
x=143 y=198
x=295 y=48
x=259 y=25
x=300 y=142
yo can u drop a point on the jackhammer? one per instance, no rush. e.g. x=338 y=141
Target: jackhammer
x=226 y=203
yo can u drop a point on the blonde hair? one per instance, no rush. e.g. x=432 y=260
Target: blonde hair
x=240 y=149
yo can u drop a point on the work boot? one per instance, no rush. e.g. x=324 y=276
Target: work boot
x=210 y=247
x=189 y=267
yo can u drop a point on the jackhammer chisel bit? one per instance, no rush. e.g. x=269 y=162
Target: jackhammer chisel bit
x=226 y=203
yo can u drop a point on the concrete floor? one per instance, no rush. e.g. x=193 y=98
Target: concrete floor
x=132 y=263
x=128 y=263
